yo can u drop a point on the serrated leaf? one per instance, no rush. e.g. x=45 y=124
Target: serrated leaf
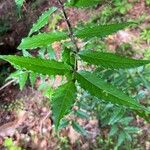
x=109 y=60
x=68 y=56
x=83 y=3
x=117 y=115
x=121 y=138
x=37 y=65
x=100 y=30
x=79 y=128
x=63 y=124
x=113 y=130
x=42 y=40
x=62 y=100
x=22 y=80
x=14 y=75
x=131 y=129
x=125 y=120
x=82 y=114
x=101 y=89
x=32 y=78
x=128 y=136
x=43 y=20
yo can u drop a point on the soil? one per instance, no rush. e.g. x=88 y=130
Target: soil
x=17 y=26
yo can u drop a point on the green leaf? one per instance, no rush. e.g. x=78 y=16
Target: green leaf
x=32 y=78
x=51 y=53
x=101 y=89
x=109 y=60
x=63 y=124
x=100 y=30
x=37 y=65
x=117 y=115
x=22 y=79
x=79 y=129
x=132 y=129
x=126 y=120
x=121 y=138
x=42 y=40
x=113 y=130
x=19 y=3
x=43 y=20
x=62 y=100
x=82 y=114
x=83 y=3
x=14 y=75
x=68 y=57
x=128 y=136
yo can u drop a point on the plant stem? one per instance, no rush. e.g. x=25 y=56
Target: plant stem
x=71 y=34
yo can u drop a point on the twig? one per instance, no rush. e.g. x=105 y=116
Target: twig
x=7 y=84
x=41 y=123
x=71 y=34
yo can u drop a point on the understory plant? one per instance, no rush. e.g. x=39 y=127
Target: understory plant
x=76 y=66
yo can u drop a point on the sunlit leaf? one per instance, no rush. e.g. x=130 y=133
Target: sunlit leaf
x=37 y=65
x=101 y=89
x=62 y=100
x=43 y=20
x=42 y=40
x=109 y=60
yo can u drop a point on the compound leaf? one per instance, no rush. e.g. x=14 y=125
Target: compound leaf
x=62 y=100
x=37 y=65
x=109 y=60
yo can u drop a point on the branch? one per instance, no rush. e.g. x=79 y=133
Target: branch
x=71 y=34
x=7 y=84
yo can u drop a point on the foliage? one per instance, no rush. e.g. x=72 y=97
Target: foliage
x=82 y=3
x=43 y=20
x=65 y=96
x=19 y=3
x=101 y=59
x=8 y=143
x=122 y=7
x=145 y=35
x=116 y=119
x=148 y=2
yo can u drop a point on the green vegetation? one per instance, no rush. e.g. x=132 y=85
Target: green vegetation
x=8 y=143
